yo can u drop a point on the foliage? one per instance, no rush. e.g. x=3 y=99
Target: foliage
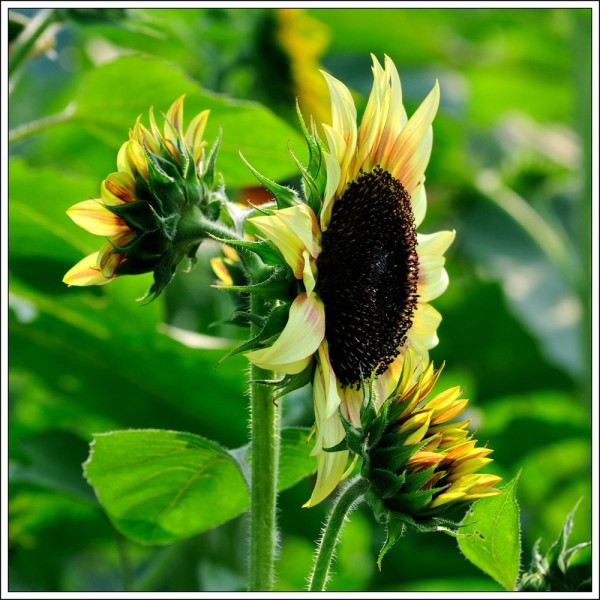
x=88 y=361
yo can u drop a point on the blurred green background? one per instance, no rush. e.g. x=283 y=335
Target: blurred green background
x=509 y=171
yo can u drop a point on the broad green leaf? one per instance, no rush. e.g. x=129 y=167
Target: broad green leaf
x=295 y=461
x=112 y=96
x=159 y=486
x=493 y=537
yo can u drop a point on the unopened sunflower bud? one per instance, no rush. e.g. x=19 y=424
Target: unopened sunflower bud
x=420 y=462
x=156 y=209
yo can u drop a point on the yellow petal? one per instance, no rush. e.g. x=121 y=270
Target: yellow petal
x=293 y=230
x=418 y=199
x=422 y=335
x=94 y=217
x=85 y=272
x=352 y=400
x=220 y=270
x=444 y=399
x=410 y=154
x=194 y=133
x=299 y=340
x=343 y=114
x=417 y=426
x=333 y=182
x=424 y=459
x=118 y=188
x=174 y=117
x=449 y=413
x=132 y=159
x=308 y=273
x=330 y=432
x=468 y=467
x=330 y=401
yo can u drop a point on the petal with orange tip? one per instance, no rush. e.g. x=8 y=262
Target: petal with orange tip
x=85 y=272
x=408 y=158
x=118 y=188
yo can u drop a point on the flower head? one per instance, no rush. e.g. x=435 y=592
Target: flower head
x=151 y=208
x=363 y=275
x=418 y=454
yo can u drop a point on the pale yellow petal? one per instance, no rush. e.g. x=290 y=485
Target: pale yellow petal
x=418 y=200
x=94 y=217
x=293 y=230
x=422 y=335
x=330 y=432
x=332 y=184
x=434 y=243
x=299 y=340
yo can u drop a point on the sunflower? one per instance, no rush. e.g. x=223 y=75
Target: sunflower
x=364 y=276
x=152 y=208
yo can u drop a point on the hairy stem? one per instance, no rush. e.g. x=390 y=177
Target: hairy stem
x=28 y=37
x=348 y=499
x=264 y=431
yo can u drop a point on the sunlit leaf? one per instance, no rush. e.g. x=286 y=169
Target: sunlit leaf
x=158 y=486
x=491 y=537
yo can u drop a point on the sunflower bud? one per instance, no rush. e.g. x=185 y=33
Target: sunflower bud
x=158 y=206
x=420 y=461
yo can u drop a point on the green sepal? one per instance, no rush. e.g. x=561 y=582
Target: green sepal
x=276 y=285
x=381 y=512
x=289 y=383
x=394 y=457
x=355 y=437
x=284 y=196
x=416 y=480
x=411 y=502
x=386 y=483
x=311 y=193
x=138 y=215
x=272 y=326
x=209 y=174
x=395 y=529
x=263 y=248
x=377 y=427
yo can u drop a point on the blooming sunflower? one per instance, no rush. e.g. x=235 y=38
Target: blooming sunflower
x=364 y=276
x=152 y=208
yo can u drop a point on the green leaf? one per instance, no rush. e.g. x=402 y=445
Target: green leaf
x=113 y=95
x=295 y=461
x=160 y=486
x=491 y=537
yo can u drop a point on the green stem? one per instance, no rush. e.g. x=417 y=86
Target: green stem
x=264 y=430
x=125 y=564
x=34 y=127
x=348 y=499
x=29 y=36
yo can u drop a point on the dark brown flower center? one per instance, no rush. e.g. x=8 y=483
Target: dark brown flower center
x=367 y=275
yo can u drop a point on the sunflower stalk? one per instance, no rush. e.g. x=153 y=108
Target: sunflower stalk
x=264 y=432
x=350 y=497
